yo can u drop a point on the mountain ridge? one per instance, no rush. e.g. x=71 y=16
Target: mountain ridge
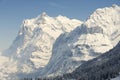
x=57 y=45
x=93 y=38
x=33 y=44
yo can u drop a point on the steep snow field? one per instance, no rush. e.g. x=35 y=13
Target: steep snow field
x=33 y=45
x=32 y=48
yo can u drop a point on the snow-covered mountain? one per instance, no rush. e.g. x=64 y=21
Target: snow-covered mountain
x=57 y=45
x=103 y=67
x=32 y=47
x=98 y=34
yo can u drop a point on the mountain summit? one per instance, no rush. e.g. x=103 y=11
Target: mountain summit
x=33 y=45
x=51 y=46
x=100 y=33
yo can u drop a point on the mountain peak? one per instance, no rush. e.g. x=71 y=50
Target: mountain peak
x=94 y=37
x=115 y=6
x=44 y=14
x=35 y=40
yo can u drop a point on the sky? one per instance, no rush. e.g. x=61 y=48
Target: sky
x=13 y=12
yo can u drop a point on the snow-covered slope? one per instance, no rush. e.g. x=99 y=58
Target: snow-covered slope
x=117 y=78
x=98 y=34
x=33 y=45
x=104 y=67
x=7 y=67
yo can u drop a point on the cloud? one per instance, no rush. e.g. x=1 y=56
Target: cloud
x=53 y=4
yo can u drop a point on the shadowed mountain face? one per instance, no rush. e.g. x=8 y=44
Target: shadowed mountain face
x=104 y=67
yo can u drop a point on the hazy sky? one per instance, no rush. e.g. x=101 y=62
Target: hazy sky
x=13 y=12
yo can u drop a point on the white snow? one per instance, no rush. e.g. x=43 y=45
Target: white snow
x=98 y=34
x=3 y=60
x=32 y=47
x=57 y=45
x=7 y=67
x=117 y=78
